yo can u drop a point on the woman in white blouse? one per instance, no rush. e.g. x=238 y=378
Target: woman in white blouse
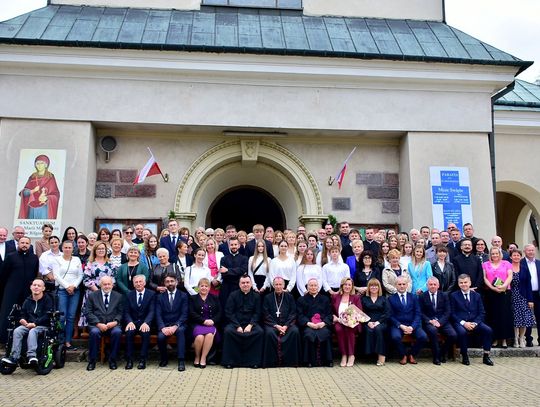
x=307 y=270
x=282 y=266
x=258 y=266
x=68 y=275
x=196 y=271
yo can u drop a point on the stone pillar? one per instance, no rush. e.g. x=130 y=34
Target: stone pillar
x=312 y=222
x=419 y=151
x=186 y=219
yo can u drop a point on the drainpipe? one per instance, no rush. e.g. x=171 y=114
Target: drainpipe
x=491 y=140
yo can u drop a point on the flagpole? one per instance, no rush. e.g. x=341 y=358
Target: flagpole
x=330 y=179
x=166 y=176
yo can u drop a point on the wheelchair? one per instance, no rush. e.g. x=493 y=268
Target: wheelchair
x=50 y=352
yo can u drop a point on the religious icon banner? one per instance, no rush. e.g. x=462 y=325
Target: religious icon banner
x=451 y=196
x=40 y=190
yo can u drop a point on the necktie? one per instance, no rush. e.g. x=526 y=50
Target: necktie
x=171 y=299
x=433 y=301
x=139 y=301
x=467 y=299
x=174 y=241
x=106 y=302
x=403 y=299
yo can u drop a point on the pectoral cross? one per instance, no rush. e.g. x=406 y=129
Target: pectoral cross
x=278 y=314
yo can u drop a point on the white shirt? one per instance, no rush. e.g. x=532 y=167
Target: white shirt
x=306 y=272
x=68 y=272
x=47 y=261
x=262 y=270
x=333 y=273
x=193 y=275
x=285 y=269
x=534 y=276
x=3 y=250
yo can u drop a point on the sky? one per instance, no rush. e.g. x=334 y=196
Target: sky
x=512 y=26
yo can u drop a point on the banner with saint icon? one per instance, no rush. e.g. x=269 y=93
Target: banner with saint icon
x=40 y=190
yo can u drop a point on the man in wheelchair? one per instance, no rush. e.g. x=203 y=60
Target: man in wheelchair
x=35 y=315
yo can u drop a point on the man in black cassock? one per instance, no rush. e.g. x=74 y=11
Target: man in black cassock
x=243 y=336
x=19 y=270
x=281 y=335
x=232 y=267
x=315 y=318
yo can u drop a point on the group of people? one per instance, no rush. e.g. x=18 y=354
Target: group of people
x=273 y=298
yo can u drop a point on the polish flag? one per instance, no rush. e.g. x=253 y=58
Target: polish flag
x=341 y=173
x=150 y=168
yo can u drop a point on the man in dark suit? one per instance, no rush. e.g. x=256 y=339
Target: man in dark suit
x=104 y=310
x=138 y=315
x=370 y=244
x=171 y=317
x=530 y=275
x=230 y=233
x=258 y=232
x=467 y=313
x=468 y=263
x=233 y=266
x=169 y=242
x=18 y=271
x=406 y=320
x=435 y=307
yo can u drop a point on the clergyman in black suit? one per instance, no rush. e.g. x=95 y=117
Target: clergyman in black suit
x=468 y=315
x=171 y=317
x=104 y=309
x=138 y=316
x=435 y=307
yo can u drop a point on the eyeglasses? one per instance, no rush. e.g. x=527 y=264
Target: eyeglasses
x=128 y=233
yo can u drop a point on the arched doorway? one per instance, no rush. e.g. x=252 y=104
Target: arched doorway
x=517 y=212
x=243 y=207
x=238 y=163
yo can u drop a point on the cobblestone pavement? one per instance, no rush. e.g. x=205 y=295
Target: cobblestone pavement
x=511 y=382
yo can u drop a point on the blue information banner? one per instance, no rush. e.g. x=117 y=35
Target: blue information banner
x=451 y=198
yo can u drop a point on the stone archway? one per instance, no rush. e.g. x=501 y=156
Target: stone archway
x=257 y=163
x=524 y=201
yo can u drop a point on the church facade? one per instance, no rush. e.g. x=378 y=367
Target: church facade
x=251 y=112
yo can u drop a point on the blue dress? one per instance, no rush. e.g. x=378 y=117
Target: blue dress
x=523 y=316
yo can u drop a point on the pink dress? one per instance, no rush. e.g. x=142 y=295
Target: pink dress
x=214 y=271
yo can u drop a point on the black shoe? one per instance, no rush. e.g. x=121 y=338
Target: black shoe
x=112 y=365
x=163 y=363
x=443 y=359
x=465 y=360
x=196 y=364
x=10 y=361
x=529 y=344
x=202 y=366
x=91 y=365
x=255 y=366
x=436 y=362
x=141 y=365
x=181 y=366
x=129 y=364
x=487 y=361
x=330 y=364
x=228 y=366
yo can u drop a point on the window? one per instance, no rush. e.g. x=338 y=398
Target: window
x=279 y=4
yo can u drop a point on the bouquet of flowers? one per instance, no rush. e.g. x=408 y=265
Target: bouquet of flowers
x=352 y=316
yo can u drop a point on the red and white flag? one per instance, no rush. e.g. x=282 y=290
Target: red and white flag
x=150 y=168
x=341 y=173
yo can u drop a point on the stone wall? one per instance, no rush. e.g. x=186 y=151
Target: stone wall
x=118 y=183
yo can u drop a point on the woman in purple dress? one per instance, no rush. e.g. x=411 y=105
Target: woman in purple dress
x=204 y=314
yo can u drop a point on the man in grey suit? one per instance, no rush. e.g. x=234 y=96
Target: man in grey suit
x=104 y=310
